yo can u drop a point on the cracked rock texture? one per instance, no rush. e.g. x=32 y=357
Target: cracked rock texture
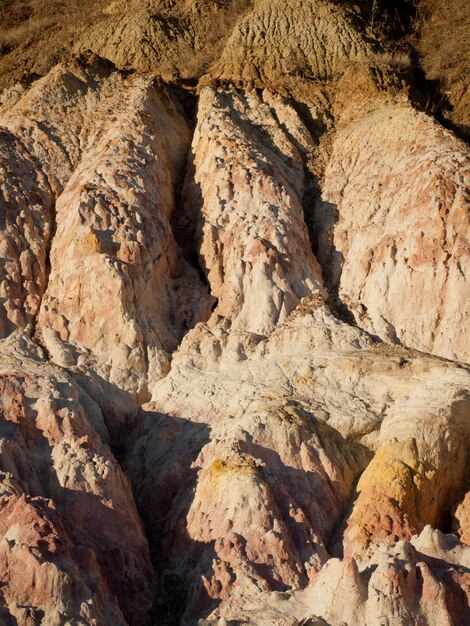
x=396 y=190
x=60 y=483
x=234 y=353
x=107 y=159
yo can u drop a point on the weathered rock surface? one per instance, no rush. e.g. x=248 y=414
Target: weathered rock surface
x=251 y=222
x=442 y=46
x=72 y=544
x=276 y=41
x=234 y=380
x=266 y=416
x=288 y=44
x=393 y=227
x=106 y=160
x=174 y=38
x=462 y=520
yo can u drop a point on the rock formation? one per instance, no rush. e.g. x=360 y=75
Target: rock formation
x=234 y=306
x=398 y=180
x=72 y=542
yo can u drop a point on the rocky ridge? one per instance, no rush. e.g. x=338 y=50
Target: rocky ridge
x=234 y=364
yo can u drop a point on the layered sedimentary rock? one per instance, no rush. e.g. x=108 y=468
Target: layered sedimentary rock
x=233 y=328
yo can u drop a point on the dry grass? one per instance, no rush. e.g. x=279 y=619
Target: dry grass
x=36 y=34
x=441 y=40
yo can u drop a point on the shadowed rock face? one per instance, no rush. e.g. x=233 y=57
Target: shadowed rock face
x=60 y=483
x=234 y=359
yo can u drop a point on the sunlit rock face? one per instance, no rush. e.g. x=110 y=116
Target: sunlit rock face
x=280 y=440
x=105 y=164
x=234 y=380
x=397 y=188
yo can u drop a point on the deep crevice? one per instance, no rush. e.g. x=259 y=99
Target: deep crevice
x=171 y=584
x=35 y=334
x=314 y=165
x=185 y=219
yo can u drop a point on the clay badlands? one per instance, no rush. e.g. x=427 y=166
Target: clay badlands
x=234 y=313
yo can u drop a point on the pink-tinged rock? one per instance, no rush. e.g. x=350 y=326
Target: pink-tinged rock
x=249 y=453
x=278 y=436
x=26 y=225
x=44 y=576
x=72 y=542
x=248 y=183
x=393 y=226
x=116 y=295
